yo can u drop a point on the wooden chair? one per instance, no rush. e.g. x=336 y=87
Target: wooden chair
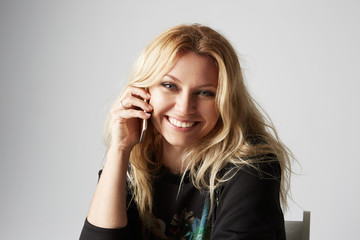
x=298 y=230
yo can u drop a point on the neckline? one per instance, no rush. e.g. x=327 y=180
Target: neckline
x=173 y=178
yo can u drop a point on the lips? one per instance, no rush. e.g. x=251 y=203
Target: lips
x=180 y=124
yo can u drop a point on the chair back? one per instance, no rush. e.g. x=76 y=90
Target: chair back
x=298 y=230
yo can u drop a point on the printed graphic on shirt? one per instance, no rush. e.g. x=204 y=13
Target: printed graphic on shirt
x=184 y=226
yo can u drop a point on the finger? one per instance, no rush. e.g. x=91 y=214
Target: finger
x=133 y=92
x=140 y=114
x=122 y=115
x=122 y=105
x=139 y=92
x=138 y=104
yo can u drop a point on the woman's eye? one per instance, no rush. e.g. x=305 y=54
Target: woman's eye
x=168 y=85
x=206 y=93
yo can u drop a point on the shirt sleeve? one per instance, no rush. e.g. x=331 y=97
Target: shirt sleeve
x=92 y=232
x=132 y=230
x=249 y=205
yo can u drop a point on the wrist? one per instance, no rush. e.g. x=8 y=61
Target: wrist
x=122 y=152
x=120 y=149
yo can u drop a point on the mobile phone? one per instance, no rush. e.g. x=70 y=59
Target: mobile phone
x=143 y=128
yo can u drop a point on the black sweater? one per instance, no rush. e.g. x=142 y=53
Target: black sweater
x=246 y=207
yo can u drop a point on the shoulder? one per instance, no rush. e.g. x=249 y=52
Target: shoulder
x=260 y=180
x=266 y=167
x=252 y=188
x=249 y=201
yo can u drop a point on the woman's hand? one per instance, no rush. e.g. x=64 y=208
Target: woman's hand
x=126 y=116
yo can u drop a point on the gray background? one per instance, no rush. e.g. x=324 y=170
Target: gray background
x=63 y=62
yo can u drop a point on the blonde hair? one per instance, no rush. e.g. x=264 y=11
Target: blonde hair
x=232 y=139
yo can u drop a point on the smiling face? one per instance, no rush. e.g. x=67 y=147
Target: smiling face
x=184 y=100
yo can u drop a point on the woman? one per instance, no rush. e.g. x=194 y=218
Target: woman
x=210 y=165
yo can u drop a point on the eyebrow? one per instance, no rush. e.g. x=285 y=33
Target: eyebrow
x=177 y=80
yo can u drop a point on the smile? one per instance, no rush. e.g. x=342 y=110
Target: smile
x=180 y=124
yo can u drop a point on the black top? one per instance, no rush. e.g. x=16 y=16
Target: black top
x=246 y=207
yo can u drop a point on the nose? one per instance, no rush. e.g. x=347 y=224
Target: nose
x=185 y=104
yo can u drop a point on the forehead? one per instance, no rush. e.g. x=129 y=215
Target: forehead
x=195 y=68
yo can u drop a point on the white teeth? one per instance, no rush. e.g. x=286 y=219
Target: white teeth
x=181 y=124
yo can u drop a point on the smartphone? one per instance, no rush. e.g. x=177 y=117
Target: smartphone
x=143 y=127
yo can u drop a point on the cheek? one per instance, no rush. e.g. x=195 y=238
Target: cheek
x=211 y=115
x=161 y=100
x=212 y=111
x=157 y=101
x=154 y=97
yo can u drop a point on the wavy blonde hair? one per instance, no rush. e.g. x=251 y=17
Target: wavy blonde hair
x=231 y=141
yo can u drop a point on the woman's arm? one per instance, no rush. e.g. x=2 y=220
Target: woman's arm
x=108 y=207
x=92 y=230
x=108 y=212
